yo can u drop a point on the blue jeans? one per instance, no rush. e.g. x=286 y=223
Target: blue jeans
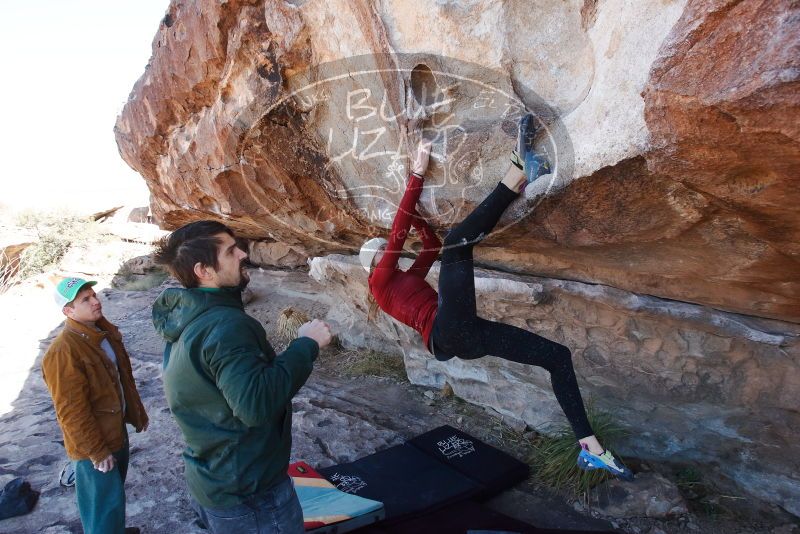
x=276 y=511
x=101 y=496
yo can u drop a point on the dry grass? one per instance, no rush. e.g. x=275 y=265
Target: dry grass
x=368 y=363
x=57 y=232
x=141 y=282
x=9 y=269
x=129 y=279
x=289 y=321
x=554 y=458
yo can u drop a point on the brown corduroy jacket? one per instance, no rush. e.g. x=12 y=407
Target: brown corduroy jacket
x=82 y=382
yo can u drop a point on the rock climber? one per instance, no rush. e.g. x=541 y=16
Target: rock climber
x=448 y=321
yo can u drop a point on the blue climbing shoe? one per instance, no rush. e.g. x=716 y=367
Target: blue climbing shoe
x=588 y=461
x=532 y=163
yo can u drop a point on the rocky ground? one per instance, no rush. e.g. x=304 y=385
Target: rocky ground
x=354 y=404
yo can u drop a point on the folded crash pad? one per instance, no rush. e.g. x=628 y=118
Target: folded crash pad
x=327 y=509
x=405 y=479
x=493 y=469
x=466 y=517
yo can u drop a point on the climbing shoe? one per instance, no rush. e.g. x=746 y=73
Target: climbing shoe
x=531 y=163
x=588 y=461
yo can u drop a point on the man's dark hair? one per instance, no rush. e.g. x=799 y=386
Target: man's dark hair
x=189 y=244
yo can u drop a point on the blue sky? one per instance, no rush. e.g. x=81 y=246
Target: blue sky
x=67 y=69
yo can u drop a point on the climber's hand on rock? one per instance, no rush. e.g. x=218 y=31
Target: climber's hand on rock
x=419 y=163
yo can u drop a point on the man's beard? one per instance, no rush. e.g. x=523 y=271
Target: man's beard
x=244 y=278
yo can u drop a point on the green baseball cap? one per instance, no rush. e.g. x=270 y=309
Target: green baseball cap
x=68 y=288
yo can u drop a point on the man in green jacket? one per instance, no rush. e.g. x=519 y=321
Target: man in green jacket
x=227 y=389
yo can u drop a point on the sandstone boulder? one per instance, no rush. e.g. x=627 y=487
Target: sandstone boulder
x=692 y=384
x=652 y=495
x=662 y=249
x=672 y=126
x=10 y=254
x=275 y=254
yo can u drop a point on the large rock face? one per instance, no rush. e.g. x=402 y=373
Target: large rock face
x=673 y=130
x=673 y=124
x=691 y=383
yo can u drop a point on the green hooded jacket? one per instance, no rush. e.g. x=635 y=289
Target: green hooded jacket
x=229 y=392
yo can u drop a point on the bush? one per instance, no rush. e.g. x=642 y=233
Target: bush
x=555 y=457
x=140 y=282
x=57 y=232
x=42 y=255
x=289 y=321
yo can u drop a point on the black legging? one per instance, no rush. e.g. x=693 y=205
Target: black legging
x=458 y=331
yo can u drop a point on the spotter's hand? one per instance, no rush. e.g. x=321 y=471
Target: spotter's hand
x=317 y=330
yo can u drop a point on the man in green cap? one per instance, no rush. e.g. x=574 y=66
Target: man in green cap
x=88 y=373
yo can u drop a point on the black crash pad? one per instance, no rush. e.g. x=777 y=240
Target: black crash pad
x=406 y=480
x=462 y=518
x=493 y=469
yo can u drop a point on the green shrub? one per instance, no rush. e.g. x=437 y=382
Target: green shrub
x=57 y=232
x=138 y=282
x=42 y=255
x=555 y=457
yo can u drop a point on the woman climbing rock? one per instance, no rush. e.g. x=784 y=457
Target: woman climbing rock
x=448 y=320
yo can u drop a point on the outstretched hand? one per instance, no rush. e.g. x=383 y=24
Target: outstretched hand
x=419 y=148
x=420 y=160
